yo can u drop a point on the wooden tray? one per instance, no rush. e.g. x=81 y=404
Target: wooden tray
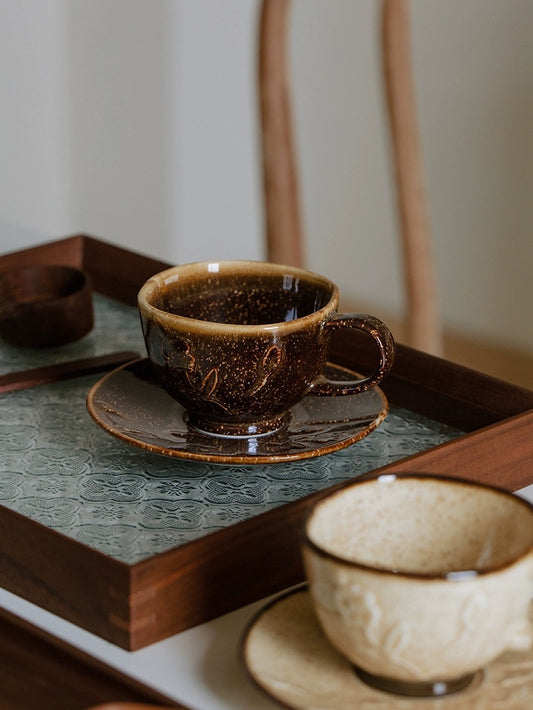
x=133 y=605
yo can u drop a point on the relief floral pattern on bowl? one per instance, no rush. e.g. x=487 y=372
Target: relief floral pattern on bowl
x=356 y=606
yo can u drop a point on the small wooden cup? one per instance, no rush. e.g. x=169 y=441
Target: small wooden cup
x=45 y=305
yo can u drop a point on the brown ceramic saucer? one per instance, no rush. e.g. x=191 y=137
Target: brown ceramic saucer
x=129 y=404
x=286 y=656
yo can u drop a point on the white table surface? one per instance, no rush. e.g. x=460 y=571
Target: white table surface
x=198 y=667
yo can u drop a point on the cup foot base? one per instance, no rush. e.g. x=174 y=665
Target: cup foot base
x=419 y=689
x=237 y=430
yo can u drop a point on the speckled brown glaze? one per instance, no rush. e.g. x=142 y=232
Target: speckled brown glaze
x=239 y=343
x=45 y=305
x=421 y=580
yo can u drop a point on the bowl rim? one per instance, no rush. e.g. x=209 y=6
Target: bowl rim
x=455 y=576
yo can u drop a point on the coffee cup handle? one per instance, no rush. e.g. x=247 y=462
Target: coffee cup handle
x=382 y=336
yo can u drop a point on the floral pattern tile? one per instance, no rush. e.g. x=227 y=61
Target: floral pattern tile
x=61 y=469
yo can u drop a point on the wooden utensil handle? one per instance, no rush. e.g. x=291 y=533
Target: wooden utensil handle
x=64 y=370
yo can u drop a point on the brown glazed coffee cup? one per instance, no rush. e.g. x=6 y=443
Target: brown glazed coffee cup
x=238 y=343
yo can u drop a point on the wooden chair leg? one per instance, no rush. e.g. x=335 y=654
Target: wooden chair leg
x=281 y=196
x=423 y=321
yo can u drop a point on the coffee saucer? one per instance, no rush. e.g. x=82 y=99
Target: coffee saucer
x=287 y=657
x=128 y=403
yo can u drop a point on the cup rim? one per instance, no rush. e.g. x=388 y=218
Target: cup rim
x=458 y=575
x=260 y=267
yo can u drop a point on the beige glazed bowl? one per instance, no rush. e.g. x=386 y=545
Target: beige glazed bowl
x=420 y=580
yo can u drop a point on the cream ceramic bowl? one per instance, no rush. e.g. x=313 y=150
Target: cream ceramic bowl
x=420 y=580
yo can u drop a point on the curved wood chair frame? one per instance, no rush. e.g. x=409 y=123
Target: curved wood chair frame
x=283 y=221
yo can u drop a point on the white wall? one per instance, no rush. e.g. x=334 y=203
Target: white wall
x=33 y=119
x=475 y=78
x=135 y=120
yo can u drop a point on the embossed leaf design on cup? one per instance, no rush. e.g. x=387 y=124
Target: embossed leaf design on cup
x=520 y=635
x=396 y=642
x=266 y=367
x=475 y=608
x=183 y=358
x=352 y=606
x=209 y=384
x=360 y=605
x=361 y=608
x=179 y=356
